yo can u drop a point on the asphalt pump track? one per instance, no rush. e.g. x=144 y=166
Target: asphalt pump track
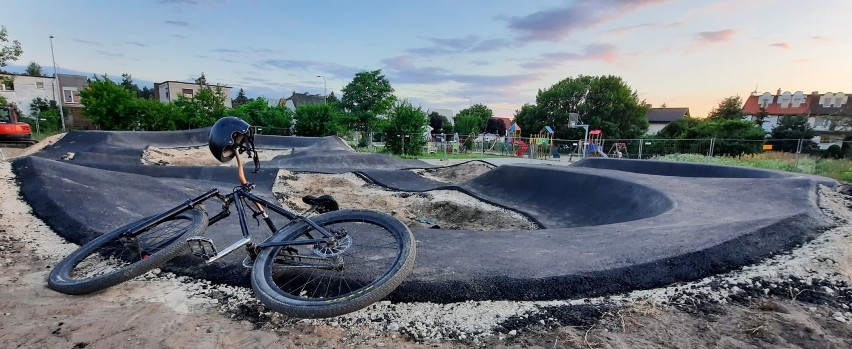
x=608 y=225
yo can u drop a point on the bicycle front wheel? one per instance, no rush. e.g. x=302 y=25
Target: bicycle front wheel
x=125 y=253
x=371 y=255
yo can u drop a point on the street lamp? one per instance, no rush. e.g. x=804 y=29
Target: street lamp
x=469 y=100
x=324 y=88
x=61 y=93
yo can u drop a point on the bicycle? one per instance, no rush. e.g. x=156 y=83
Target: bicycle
x=314 y=266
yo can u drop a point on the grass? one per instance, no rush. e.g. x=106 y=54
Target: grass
x=41 y=136
x=838 y=169
x=381 y=150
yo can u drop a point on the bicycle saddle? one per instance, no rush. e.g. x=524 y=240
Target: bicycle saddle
x=325 y=203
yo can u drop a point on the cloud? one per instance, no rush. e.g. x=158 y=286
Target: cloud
x=716 y=36
x=179 y=36
x=136 y=43
x=109 y=53
x=248 y=51
x=467 y=44
x=480 y=62
x=177 y=23
x=402 y=70
x=558 y=23
x=592 y=52
x=179 y=2
x=87 y=42
x=783 y=45
x=311 y=67
x=631 y=28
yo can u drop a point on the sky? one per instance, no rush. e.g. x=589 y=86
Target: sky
x=449 y=54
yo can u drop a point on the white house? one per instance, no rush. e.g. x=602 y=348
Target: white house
x=25 y=88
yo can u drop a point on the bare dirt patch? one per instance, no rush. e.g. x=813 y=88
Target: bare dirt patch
x=447 y=209
x=457 y=173
x=11 y=153
x=798 y=299
x=197 y=156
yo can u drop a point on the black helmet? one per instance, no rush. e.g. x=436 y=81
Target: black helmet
x=227 y=135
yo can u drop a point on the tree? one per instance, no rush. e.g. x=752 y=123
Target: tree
x=127 y=83
x=108 y=104
x=33 y=69
x=367 y=96
x=603 y=102
x=332 y=99
x=761 y=116
x=146 y=93
x=790 y=129
x=203 y=109
x=45 y=115
x=495 y=126
x=730 y=108
x=472 y=119
x=273 y=120
x=241 y=99
x=436 y=121
x=316 y=120
x=733 y=137
x=9 y=51
x=404 y=133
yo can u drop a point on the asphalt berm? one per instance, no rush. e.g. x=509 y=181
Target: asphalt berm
x=607 y=225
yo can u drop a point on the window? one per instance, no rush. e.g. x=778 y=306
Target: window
x=69 y=96
x=4 y=116
x=40 y=85
x=187 y=92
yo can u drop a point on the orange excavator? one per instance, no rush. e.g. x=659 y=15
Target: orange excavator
x=12 y=132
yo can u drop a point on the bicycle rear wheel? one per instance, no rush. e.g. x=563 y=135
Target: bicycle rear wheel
x=125 y=253
x=372 y=257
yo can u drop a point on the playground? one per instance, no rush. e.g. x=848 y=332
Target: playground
x=501 y=236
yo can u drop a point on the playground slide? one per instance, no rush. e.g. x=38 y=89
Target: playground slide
x=602 y=154
x=524 y=146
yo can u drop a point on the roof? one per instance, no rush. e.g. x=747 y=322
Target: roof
x=68 y=80
x=189 y=83
x=303 y=98
x=817 y=108
x=666 y=115
x=506 y=121
x=752 y=106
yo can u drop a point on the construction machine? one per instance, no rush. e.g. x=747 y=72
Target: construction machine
x=13 y=133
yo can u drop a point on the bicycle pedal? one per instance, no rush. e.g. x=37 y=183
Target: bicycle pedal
x=202 y=246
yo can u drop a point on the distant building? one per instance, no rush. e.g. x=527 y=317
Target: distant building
x=830 y=114
x=75 y=115
x=658 y=118
x=25 y=88
x=170 y=91
x=297 y=99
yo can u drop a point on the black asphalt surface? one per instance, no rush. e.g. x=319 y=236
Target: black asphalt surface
x=610 y=225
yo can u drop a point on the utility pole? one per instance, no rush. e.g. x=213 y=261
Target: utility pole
x=324 y=89
x=61 y=93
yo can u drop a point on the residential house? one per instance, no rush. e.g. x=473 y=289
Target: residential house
x=829 y=113
x=75 y=116
x=170 y=91
x=297 y=99
x=25 y=88
x=658 y=118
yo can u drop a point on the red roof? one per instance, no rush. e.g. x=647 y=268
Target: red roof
x=506 y=121
x=751 y=106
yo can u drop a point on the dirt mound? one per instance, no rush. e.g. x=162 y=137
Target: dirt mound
x=458 y=173
x=196 y=156
x=446 y=209
x=11 y=153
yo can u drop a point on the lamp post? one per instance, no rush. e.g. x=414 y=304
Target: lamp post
x=324 y=88
x=61 y=93
x=469 y=100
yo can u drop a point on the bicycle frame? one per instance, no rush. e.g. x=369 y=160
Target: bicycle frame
x=237 y=198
